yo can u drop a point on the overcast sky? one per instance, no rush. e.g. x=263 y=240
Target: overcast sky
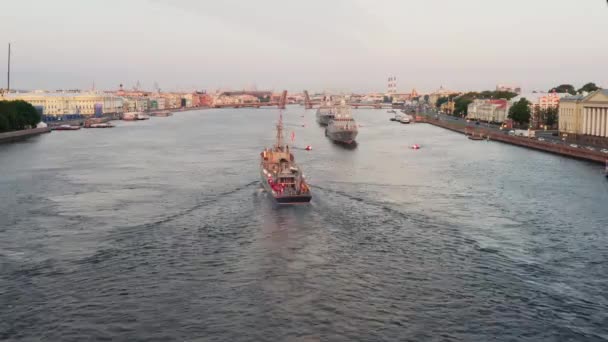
x=315 y=44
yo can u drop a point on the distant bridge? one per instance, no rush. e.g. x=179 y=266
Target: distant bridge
x=308 y=103
x=247 y=105
x=280 y=104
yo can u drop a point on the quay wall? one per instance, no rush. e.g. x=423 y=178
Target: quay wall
x=18 y=135
x=561 y=149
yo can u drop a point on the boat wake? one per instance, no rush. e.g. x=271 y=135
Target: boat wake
x=213 y=198
x=387 y=207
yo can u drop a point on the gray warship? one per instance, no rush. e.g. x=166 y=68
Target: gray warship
x=342 y=128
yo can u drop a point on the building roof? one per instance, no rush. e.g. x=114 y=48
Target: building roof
x=442 y=91
x=535 y=97
x=573 y=98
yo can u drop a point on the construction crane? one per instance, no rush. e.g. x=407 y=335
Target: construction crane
x=307 y=103
x=283 y=100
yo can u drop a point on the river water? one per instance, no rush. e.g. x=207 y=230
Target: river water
x=159 y=231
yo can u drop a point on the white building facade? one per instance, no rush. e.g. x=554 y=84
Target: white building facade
x=488 y=110
x=72 y=103
x=595 y=114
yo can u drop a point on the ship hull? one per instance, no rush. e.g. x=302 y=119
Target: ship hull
x=292 y=200
x=344 y=137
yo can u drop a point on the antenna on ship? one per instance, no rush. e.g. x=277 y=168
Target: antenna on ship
x=279 y=144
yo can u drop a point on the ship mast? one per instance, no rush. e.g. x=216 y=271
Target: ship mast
x=279 y=144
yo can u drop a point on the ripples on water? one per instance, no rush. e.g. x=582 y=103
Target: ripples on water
x=159 y=230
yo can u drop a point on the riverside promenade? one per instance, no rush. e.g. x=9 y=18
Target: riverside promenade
x=502 y=136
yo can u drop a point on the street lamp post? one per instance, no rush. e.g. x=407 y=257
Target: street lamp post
x=8 y=73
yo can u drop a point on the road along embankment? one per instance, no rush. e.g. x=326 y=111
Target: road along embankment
x=545 y=146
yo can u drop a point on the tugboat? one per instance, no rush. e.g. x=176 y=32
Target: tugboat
x=281 y=177
x=343 y=128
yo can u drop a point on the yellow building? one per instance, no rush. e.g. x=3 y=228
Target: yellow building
x=595 y=114
x=570 y=109
x=585 y=116
x=447 y=107
x=71 y=103
x=441 y=92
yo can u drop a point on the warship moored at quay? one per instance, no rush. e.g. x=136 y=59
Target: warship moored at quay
x=281 y=177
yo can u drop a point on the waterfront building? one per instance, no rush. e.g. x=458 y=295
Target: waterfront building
x=157 y=103
x=204 y=99
x=570 y=115
x=541 y=100
x=441 y=92
x=173 y=100
x=136 y=104
x=61 y=103
x=585 y=118
x=447 y=107
x=488 y=110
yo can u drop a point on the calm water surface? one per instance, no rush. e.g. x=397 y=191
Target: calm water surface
x=159 y=231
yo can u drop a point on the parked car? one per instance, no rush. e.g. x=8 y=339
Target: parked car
x=573 y=145
x=604 y=150
x=541 y=139
x=590 y=148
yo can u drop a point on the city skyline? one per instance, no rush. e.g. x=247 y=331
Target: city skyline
x=184 y=45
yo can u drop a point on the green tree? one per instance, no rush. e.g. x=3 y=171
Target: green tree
x=589 y=87
x=4 y=127
x=441 y=101
x=17 y=115
x=426 y=98
x=387 y=99
x=550 y=116
x=507 y=95
x=564 y=88
x=520 y=111
x=461 y=105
